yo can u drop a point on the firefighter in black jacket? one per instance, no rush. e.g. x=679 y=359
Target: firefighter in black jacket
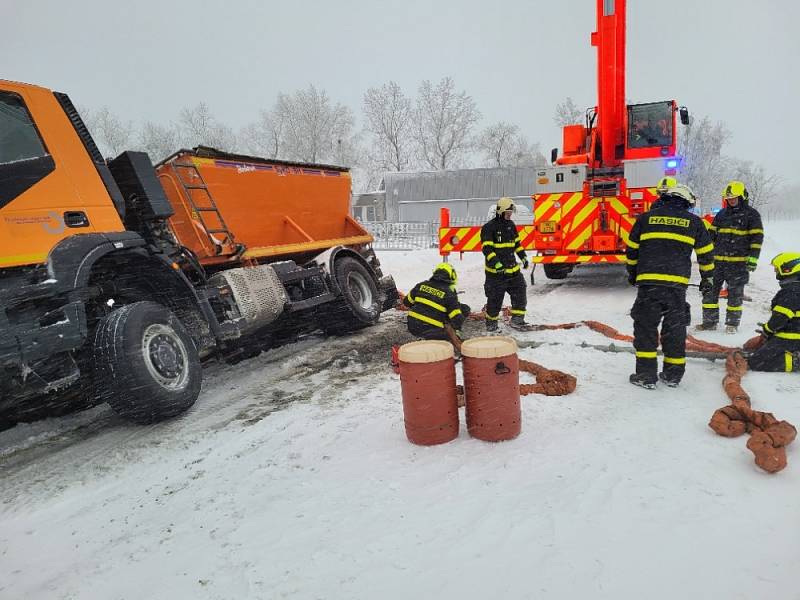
x=501 y=247
x=434 y=303
x=659 y=262
x=778 y=346
x=737 y=234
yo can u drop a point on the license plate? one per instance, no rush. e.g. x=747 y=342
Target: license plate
x=547 y=227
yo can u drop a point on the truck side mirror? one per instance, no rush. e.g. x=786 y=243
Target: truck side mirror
x=684 y=115
x=553 y=155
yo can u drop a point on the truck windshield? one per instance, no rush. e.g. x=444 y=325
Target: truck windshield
x=19 y=139
x=650 y=124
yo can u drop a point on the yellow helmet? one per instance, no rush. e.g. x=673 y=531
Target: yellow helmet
x=448 y=270
x=505 y=204
x=682 y=191
x=786 y=264
x=735 y=189
x=665 y=184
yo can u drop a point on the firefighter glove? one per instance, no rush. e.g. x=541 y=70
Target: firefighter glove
x=705 y=285
x=498 y=265
x=751 y=265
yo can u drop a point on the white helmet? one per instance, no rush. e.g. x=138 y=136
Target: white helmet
x=682 y=191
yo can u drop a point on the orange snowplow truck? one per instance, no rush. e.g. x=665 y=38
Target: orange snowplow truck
x=584 y=206
x=117 y=278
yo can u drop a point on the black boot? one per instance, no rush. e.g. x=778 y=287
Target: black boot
x=643 y=380
x=669 y=380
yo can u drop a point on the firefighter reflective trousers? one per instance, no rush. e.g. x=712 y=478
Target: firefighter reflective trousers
x=736 y=276
x=654 y=305
x=495 y=288
x=776 y=357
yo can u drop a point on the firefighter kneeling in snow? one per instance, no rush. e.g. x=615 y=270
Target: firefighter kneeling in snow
x=659 y=262
x=778 y=346
x=434 y=304
x=501 y=247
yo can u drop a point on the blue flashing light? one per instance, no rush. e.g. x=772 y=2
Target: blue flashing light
x=672 y=163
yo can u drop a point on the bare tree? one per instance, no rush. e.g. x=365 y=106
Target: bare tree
x=197 y=126
x=157 y=140
x=111 y=134
x=762 y=187
x=314 y=129
x=444 y=121
x=704 y=168
x=567 y=113
x=502 y=145
x=389 y=119
x=265 y=136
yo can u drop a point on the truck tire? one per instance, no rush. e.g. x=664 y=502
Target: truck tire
x=359 y=305
x=146 y=364
x=557 y=271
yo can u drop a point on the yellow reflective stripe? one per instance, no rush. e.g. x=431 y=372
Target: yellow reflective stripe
x=784 y=311
x=710 y=305
x=731 y=258
x=632 y=244
x=708 y=267
x=513 y=269
x=767 y=328
x=631 y=261
x=411 y=298
x=432 y=304
x=491 y=255
x=660 y=277
x=492 y=318
x=491 y=270
x=674 y=361
x=425 y=319
x=454 y=312
x=505 y=245
x=640 y=354
x=787 y=357
x=712 y=227
x=788 y=336
x=734 y=308
x=662 y=235
x=705 y=249
x=755 y=245
x=514 y=311
x=740 y=231
x=487 y=243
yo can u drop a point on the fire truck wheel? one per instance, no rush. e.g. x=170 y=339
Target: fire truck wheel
x=360 y=300
x=557 y=271
x=146 y=364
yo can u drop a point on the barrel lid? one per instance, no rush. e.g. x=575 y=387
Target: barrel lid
x=426 y=351
x=489 y=347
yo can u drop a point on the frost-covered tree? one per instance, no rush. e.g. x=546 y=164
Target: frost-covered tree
x=111 y=134
x=158 y=141
x=762 y=187
x=502 y=145
x=265 y=136
x=314 y=129
x=197 y=126
x=567 y=113
x=389 y=120
x=703 y=166
x=444 y=122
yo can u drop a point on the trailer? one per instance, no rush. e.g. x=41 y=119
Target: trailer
x=117 y=277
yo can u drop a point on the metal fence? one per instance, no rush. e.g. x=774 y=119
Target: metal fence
x=412 y=235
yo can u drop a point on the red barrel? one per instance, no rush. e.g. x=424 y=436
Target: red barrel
x=428 y=381
x=491 y=386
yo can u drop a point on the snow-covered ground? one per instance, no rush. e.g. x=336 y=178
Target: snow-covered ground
x=292 y=478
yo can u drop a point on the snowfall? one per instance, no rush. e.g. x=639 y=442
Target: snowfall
x=292 y=476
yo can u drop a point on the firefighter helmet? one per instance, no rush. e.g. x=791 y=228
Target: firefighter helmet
x=736 y=189
x=504 y=205
x=787 y=264
x=448 y=271
x=682 y=192
x=665 y=184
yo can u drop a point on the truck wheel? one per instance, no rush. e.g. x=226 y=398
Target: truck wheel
x=146 y=364
x=359 y=305
x=557 y=271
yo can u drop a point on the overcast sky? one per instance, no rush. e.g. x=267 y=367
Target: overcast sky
x=734 y=60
